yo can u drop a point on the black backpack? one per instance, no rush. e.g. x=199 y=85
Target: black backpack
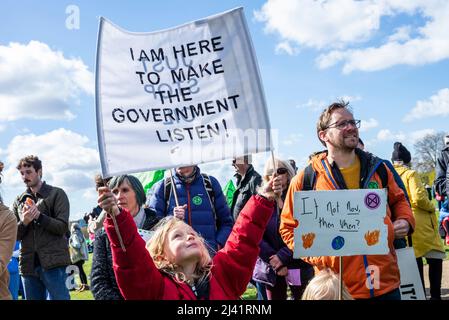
x=308 y=181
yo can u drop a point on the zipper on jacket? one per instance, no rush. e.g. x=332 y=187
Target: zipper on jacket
x=188 y=205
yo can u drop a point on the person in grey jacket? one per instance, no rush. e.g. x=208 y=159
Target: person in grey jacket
x=42 y=212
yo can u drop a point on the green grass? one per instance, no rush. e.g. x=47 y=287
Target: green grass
x=87 y=294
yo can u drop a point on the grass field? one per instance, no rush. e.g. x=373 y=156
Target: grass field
x=85 y=295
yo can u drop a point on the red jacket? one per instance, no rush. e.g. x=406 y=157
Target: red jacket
x=138 y=278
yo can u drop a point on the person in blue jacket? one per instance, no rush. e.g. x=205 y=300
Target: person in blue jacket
x=202 y=204
x=14 y=276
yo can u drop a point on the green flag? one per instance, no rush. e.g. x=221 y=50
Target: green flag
x=149 y=178
x=228 y=192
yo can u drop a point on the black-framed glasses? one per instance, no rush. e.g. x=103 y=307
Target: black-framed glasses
x=343 y=124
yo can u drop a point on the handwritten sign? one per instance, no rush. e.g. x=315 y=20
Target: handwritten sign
x=182 y=96
x=340 y=222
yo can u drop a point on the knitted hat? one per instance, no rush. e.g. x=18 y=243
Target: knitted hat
x=400 y=153
x=446 y=140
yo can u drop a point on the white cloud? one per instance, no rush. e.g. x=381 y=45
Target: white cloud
x=417 y=135
x=408 y=138
x=67 y=162
x=2 y=127
x=39 y=83
x=321 y=24
x=387 y=135
x=342 y=28
x=368 y=124
x=285 y=47
x=319 y=105
x=402 y=34
x=314 y=105
x=436 y=105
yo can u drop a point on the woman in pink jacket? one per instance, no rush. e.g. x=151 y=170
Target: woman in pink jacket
x=176 y=264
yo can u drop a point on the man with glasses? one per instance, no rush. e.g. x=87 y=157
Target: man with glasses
x=344 y=166
x=248 y=180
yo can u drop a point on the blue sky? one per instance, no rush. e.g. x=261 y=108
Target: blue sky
x=389 y=58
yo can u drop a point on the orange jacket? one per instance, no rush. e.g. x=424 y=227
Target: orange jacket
x=356 y=269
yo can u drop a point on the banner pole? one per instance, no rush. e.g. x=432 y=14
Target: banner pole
x=340 y=289
x=279 y=201
x=174 y=188
x=117 y=231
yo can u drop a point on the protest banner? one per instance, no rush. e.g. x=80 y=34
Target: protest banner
x=340 y=222
x=182 y=96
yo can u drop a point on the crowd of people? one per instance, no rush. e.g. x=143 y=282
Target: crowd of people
x=186 y=242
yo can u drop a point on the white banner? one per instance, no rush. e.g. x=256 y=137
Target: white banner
x=411 y=285
x=340 y=222
x=183 y=96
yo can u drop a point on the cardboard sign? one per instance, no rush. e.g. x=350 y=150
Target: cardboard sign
x=178 y=97
x=340 y=222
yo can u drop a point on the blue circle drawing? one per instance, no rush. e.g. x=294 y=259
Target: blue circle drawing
x=338 y=243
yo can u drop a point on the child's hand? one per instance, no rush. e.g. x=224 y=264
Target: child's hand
x=275 y=262
x=282 y=272
x=106 y=200
x=273 y=188
x=179 y=212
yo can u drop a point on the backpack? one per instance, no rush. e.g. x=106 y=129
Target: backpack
x=308 y=181
x=207 y=185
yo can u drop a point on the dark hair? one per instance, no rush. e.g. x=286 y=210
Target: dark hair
x=325 y=116
x=135 y=185
x=30 y=161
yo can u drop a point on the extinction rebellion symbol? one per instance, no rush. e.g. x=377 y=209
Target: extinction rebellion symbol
x=372 y=200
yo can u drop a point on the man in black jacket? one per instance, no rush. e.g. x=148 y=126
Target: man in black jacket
x=248 y=180
x=42 y=212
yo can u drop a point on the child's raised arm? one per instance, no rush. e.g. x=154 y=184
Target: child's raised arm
x=137 y=276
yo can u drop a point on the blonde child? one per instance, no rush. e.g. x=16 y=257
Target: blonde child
x=325 y=286
x=177 y=265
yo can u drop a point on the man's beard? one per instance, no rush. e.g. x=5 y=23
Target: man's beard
x=343 y=146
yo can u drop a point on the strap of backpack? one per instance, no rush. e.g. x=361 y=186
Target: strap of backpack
x=382 y=172
x=210 y=194
x=308 y=180
x=167 y=193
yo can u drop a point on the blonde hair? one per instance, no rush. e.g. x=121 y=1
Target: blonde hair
x=325 y=286
x=157 y=244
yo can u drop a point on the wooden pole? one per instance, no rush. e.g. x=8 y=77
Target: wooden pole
x=174 y=188
x=117 y=231
x=340 y=290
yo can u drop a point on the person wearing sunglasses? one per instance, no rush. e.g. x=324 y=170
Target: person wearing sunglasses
x=276 y=267
x=344 y=166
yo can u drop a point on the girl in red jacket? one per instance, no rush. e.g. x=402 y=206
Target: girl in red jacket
x=177 y=265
